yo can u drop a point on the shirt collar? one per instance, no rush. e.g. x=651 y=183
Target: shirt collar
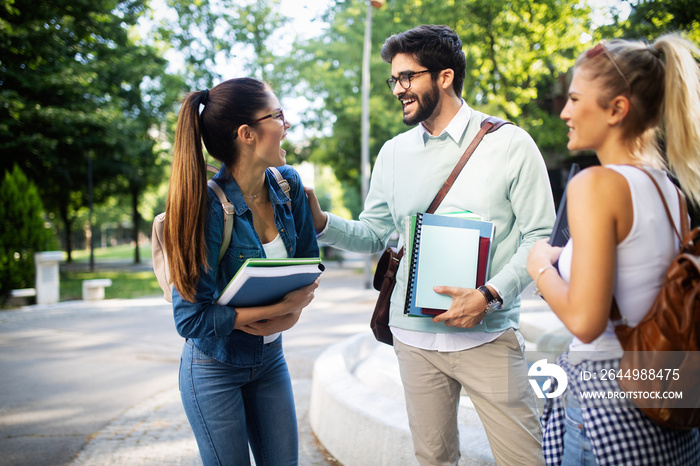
x=455 y=129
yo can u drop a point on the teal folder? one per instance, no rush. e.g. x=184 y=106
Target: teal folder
x=433 y=268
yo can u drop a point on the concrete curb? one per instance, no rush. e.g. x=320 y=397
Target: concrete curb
x=357 y=409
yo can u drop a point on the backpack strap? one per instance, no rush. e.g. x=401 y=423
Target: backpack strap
x=228 y=216
x=685 y=227
x=229 y=210
x=284 y=184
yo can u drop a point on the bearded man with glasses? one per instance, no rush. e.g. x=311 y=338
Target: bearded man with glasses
x=475 y=344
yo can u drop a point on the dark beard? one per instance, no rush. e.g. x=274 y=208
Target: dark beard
x=426 y=106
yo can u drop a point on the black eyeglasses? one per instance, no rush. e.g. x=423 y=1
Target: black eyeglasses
x=278 y=114
x=405 y=79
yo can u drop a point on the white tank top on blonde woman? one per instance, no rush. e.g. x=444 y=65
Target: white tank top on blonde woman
x=275 y=249
x=642 y=257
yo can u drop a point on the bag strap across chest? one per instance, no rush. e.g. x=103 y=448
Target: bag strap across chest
x=489 y=125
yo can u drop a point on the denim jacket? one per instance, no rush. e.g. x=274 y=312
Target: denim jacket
x=211 y=326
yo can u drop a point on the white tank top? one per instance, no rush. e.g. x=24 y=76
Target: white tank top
x=642 y=257
x=275 y=249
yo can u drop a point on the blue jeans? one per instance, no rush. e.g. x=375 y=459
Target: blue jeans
x=577 y=446
x=230 y=407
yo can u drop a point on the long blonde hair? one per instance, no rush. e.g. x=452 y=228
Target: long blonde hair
x=227 y=106
x=662 y=82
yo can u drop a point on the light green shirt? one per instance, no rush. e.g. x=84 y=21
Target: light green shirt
x=505 y=182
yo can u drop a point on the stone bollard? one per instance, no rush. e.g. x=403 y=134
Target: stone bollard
x=47 y=280
x=94 y=290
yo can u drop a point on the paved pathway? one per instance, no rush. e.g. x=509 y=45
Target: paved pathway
x=114 y=363
x=96 y=383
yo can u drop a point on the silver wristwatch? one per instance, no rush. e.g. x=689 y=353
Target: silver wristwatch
x=493 y=303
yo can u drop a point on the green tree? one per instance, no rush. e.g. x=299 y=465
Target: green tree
x=139 y=110
x=73 y=87
x=515 y=53
x=207 y=33
x=23 y=231
x=651 y=18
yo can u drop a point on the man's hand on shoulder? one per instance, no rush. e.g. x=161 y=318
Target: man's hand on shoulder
x=320 y=218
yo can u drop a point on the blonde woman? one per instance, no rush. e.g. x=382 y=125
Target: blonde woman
x=621 y=240
x=234 y=381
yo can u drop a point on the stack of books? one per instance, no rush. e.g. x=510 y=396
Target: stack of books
x=260 y=282
x=450 y=249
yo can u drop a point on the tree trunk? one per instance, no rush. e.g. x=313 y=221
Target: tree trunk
x=136 y=221
x=67 y=227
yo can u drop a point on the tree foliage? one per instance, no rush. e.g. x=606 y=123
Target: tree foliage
x=213 y=34
x=74 y=84
x=651 y=18
x=23 y=231
x=515 y=53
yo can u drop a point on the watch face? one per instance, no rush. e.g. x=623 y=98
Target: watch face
x=492 y=303
x=493 y=306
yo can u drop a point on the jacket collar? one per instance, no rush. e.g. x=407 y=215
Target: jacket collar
x=233 y=192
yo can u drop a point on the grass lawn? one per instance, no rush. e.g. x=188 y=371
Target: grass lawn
x=121 y=252
x=125 y=284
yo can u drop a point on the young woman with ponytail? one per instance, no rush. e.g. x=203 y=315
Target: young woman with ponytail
x=234 y=381
x=624 y=97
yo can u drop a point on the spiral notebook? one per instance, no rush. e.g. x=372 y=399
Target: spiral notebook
x=446 y=250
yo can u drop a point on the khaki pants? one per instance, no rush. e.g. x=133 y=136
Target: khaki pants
x=494 y=376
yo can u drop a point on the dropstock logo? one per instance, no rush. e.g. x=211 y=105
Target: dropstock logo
x=543 y=369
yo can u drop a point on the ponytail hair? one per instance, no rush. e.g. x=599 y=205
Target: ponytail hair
x=682 y=112
x=662 y=83
x=227 y=106
x=186 y=204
